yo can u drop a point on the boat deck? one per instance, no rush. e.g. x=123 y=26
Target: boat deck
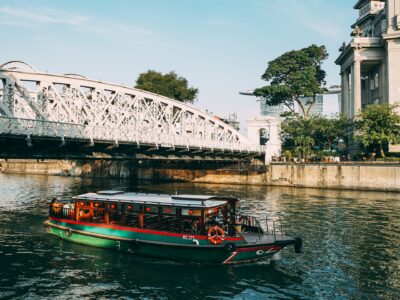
x=255 y=238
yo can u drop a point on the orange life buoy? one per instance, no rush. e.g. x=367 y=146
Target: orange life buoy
x=216 y=235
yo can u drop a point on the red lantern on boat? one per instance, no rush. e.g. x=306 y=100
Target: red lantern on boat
x=167 y=210
x=148 y=209
x=112 y=206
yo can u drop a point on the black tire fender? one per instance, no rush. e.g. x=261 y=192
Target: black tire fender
x=298 y=245
x=68 y=232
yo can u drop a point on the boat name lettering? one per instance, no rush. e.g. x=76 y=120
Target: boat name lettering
x=188 y=237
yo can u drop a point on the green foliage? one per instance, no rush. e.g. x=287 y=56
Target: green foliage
x=315 y=134
x=294 y=75
x=169 y=85
x=288 y=154
x=328 y=131
x=377 y=125
x=296 y=136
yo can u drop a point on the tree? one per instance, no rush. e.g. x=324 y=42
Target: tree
x=306 y=136
x=377 y=125
x=169 y=85
x=297 y=134
x=328 y=131
x=294 y=75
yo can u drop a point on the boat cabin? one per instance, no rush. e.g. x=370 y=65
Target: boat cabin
x=192 y=214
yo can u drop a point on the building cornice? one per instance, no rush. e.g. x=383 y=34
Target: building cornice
x=361 y=3
x=391 y=36
x=359 y=43
x=363 y=19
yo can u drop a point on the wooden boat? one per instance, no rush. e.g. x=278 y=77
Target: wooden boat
x=174 y=227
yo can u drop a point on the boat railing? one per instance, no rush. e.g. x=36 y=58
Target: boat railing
x=244 y=223
x=248 y=222
x=271 y=225
x=61 y=211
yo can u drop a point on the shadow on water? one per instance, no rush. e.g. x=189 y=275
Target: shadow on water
x=351 y=242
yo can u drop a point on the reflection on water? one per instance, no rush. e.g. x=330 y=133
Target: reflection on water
x=351 y=242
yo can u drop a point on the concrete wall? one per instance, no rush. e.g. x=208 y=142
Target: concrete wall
x=382 y=177
x=204 y=176
x=93 y=168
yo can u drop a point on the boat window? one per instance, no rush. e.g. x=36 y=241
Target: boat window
x=64 y=209
x=191 y=212
x=169 y=219
x=132 y=215
x=98 y=212
x=115 y=213
x=151 y=217
x=191 y=225
x=169 y=210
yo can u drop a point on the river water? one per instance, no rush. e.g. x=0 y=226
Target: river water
x=351 y=248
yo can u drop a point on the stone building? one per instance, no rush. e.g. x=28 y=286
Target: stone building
x=265 y=129
x=370 y=63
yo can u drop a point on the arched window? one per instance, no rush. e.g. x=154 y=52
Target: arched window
x=264 y=136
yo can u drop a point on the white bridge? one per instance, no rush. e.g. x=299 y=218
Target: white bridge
x=34 y=104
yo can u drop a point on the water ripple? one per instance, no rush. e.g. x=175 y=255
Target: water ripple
x=351 y=243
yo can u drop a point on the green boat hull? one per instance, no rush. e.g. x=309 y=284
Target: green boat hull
x=167 y=246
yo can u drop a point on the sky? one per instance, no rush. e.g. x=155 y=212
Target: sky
x=221 y=46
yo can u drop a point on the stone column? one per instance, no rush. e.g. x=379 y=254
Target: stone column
x=393 y=70
x=356 y=87
x=392 y=9
x=383 y=87
x=345 y=93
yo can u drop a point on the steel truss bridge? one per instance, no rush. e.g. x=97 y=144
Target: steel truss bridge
x=53 y=116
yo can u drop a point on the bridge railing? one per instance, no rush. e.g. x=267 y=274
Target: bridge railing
x=164 y=139
x=30 y=127
x=21 y=126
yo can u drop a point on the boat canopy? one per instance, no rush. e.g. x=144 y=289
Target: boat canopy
x=196 y=201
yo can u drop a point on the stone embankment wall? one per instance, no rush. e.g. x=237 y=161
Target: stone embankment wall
x=95 y=168
x=358 y=176
x=223 y=176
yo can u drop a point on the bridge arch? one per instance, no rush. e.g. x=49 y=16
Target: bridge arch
x=77 y=107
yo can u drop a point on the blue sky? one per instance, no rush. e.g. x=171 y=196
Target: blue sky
x=220 y=46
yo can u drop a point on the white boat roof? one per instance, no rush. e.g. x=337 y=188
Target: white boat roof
x=198 y=201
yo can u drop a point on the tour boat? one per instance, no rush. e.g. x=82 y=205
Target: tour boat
x=197 y=228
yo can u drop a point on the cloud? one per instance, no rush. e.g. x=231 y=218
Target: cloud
x=43 y=15
x=31 y=17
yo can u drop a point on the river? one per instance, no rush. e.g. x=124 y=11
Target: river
x=351 y=247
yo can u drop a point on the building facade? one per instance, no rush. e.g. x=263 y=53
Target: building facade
x=370 y=63
x=265 y=130
x=271 y=111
